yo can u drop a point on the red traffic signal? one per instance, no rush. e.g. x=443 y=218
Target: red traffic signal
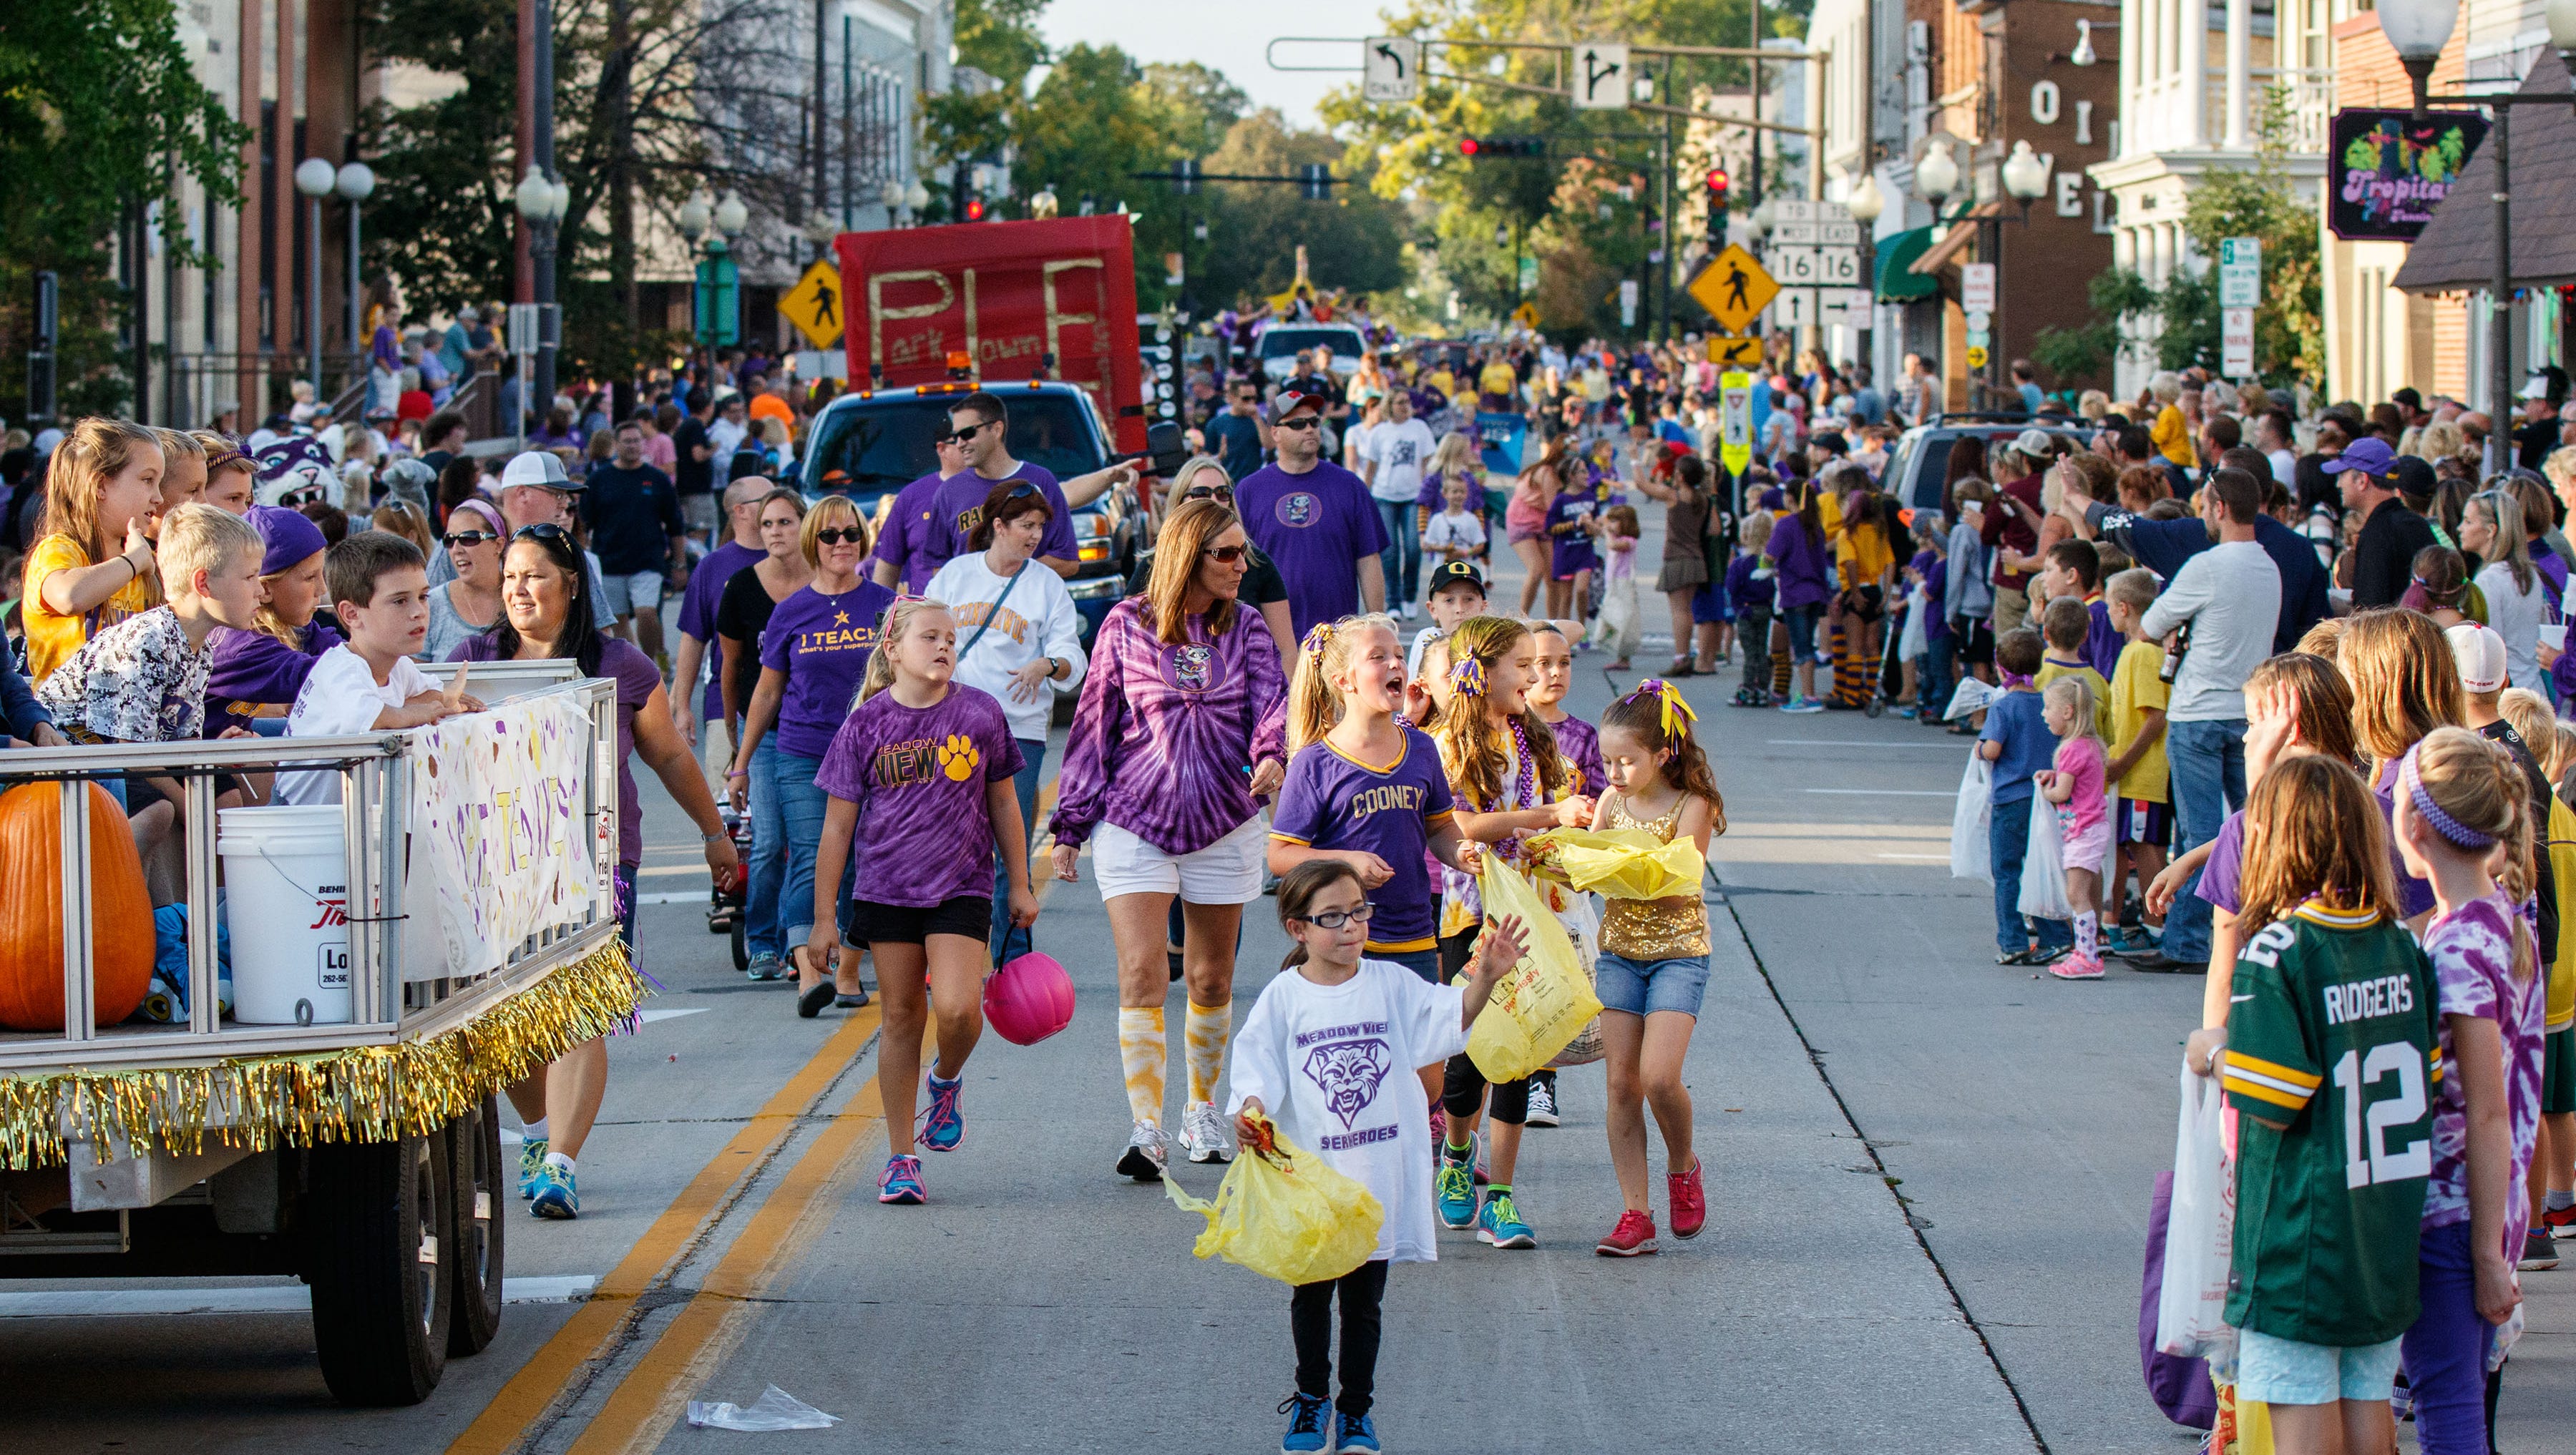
x=1468 y=146
x=974 y=209
x=1717 y=179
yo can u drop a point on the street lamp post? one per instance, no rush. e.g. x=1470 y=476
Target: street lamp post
x=1866 y=203
x=543 y=204
x=355 y=181
x=315 y=178
x=2025 y=177
x=1936 y=176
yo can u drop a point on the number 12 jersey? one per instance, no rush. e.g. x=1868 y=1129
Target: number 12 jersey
x=2333 y=1033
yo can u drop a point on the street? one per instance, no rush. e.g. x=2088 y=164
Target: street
x=1928 y=1182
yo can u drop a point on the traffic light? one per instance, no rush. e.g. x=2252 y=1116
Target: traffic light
x=974 y=209
x=1502 y=146
x=1718 y=182
x=1315 y=181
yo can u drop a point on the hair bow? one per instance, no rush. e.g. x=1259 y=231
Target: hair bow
x=1677 y=714
x=1467 y=677
x=1318 y=637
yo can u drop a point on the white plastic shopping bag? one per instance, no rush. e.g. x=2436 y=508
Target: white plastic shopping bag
x=2201 y=1229
x=1971 y=855
x=1969 y=697
x=2043 y=866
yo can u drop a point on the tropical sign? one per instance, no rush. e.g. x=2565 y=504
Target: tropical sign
x=2388 y=174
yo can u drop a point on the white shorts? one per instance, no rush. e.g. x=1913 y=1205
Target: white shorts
x=1225 y=872
x=626 y=595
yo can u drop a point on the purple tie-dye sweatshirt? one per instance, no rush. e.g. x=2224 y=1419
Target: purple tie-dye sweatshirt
x=1165 y=732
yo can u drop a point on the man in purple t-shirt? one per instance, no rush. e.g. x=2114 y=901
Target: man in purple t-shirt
x=914 y=542
x=698 y=627
x=1314 y=519
x=978 y=427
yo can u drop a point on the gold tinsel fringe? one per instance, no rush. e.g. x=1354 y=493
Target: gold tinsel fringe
x=363 y=1094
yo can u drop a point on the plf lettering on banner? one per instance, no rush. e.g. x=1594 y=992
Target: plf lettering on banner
x=497 y=825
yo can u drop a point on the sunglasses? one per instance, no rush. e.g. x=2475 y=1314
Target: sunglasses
x=1225 y=554
x=467 y=538
x=1303 y=421
x=833 y=535
x=1209 y=492
x=1333 y=919
x=546 y=531
x=959 y=437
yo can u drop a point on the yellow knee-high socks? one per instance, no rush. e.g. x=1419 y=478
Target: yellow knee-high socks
x=1208 y=1029
x=1141 y=1053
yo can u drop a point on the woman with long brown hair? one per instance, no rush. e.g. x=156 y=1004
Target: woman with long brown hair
x=2405 y=683
x=1179 y=731
x=1525 y=518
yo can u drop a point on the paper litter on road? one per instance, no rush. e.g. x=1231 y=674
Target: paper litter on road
x=776 y=1409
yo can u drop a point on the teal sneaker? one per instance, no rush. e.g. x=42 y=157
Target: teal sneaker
x=1357 y=1434
x=1455 y=1186
x=1307 y=1416
x=1499 y=1223
x=553 y=1196
x=532 y=1156
x=944 y=1125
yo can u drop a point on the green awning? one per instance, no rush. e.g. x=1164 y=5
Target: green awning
x=1897 y=282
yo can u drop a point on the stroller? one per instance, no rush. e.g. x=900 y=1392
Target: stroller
x=725 y=906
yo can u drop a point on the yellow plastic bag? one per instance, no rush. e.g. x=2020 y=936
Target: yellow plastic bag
x=1285 y=1214
x=1619 y=863
x=1540 y=1004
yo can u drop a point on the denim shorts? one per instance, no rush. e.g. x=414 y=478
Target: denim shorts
x=1642 y=987
x=2285 y=1371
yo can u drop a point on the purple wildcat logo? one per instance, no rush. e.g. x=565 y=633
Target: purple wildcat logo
x=1298 y=509
x=1190 y=667
x=1349 y=1073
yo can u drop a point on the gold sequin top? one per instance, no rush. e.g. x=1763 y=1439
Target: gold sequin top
x=1646 y=930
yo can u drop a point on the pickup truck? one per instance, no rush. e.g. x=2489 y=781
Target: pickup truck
x=868 y=444
x=1280 y=344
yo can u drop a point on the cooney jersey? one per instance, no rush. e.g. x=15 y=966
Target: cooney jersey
x=2333 y=1033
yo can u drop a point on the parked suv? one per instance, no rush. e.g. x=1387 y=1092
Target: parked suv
x=1921 y=456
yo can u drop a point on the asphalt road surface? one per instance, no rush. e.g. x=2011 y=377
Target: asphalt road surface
x=1927 y=1176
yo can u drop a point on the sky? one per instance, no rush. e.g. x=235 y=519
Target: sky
x=1230 y=37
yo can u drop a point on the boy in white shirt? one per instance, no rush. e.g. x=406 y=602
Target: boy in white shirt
x=1457 y=533
x=379 y=586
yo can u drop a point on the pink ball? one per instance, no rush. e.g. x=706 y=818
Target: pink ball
x=1028 y=999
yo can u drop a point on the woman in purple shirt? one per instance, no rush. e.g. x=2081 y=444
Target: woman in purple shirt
x=544 y=618
x=1797 y=553
x=1182 y=726
x=813 y=655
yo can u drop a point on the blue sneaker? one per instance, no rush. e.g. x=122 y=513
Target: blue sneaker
x=532 y=1157
x=901 y=1182
x=1498 y=1222
x=943 y=1126
x=1356 y=1433
x=1455 y=1186
x=552 y=1195
x=1306 y=1434
x=1802 y=705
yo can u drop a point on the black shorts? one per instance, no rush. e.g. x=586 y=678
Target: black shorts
x=1864 y=603
x=969 y=916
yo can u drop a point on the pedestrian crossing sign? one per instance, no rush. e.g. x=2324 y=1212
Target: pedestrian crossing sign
x=814 y=305
x=1740 y=352
x=1734 y=289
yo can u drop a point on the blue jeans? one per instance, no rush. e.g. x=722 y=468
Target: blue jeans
x=2446 y=1349
x=1008 y=942
x=1932 y=680
x=2008 y=841
x=800 y=810
x=2208 y=761
x=1802 y=632
x=1402 y=558
x=761 y=932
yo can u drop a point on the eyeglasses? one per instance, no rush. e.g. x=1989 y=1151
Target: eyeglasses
x=1333 y=919
x=467 y=538
x=1226 y=555
x=1303 y=421
x=833 y=535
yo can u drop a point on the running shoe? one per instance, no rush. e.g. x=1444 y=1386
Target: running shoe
x=2539 y=1251
x=1455 y=1185
x=1484 y=1159
x=2559 y=1220
x=1802 y=705
x=1686 y=1201
x=1498 y=1222
x=554 y=1196
x=1542 y=1103
x=1634 y=1235
x=1306 y=1432
x=1357 y=1434
x=532 y=1157
x=762 y=967
x=1203 y=1133
x=1439 y=1123
x=1146 y=1156
x=901 y=1181
x=2076 y=966
x=943 y=1126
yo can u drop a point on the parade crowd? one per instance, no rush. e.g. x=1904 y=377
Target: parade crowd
x=2258 y=687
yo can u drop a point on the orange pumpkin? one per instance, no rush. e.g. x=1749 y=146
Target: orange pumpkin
x=31 y=932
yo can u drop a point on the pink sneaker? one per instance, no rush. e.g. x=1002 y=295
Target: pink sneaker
x=1634 y=1235
x=1687 y=1202
x=2078 y=966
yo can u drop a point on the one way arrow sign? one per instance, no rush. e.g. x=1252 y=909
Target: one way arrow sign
x=1601 y=77
x=1390 y=68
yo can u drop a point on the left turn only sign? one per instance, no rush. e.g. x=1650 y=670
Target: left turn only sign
x=1390 y=68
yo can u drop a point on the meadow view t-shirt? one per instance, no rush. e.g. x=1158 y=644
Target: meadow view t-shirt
x=822 y=643
x=918 y=776
x=1316 y=526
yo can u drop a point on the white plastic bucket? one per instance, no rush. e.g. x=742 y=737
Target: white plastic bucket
x=286 y=899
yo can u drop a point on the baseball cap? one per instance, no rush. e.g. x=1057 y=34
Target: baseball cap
x=537 y=467
x=2479 y=651
x=1455 y=573
x=1289 y=401
x=2034 y=444
x=2369 y=454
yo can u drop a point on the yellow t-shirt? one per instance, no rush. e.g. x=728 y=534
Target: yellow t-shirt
x=2135 y=688
x=1498 y=378
x=52 y=638
x=2172 y=438
x=1443 y=382
x=2560 y=1011
x=2050 y=671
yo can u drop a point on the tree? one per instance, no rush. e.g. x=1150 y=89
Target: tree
x=1353 y=241
x=101 y=114
x=999 y=38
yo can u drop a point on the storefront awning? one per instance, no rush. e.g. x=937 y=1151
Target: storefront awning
x=1897 y=283
x=2456 y=252
x=1954 y=240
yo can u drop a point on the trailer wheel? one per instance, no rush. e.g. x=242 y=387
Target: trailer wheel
x=379 y=1218
x=481 y=1180
x=741 y=945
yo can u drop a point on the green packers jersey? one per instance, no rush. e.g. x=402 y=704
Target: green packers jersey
x=2333 y=1033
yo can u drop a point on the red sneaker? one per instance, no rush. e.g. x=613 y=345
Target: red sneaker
x=2561 y=1221
x=1689 y=1205
x=1634 y=1235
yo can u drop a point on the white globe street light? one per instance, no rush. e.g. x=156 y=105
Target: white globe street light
x=1936 y=176
x=694 y=216
x=2417 y=30
x=1866 y=201
x=355 y=181
x=731 y=216
x=2025 y=175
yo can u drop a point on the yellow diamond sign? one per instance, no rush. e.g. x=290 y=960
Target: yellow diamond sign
x=1734 y=289
x=814 y=305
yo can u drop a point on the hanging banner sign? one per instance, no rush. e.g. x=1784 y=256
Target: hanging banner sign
x=2386 y=175
x=1501 y=436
